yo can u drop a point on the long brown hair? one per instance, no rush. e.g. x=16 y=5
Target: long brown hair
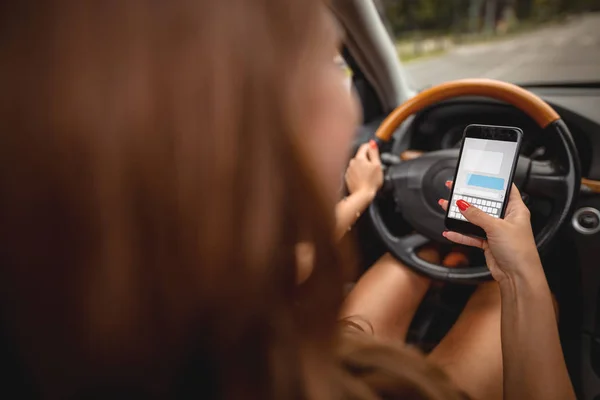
x=152 y=191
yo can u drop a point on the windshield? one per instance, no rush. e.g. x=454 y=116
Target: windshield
x=519 y=41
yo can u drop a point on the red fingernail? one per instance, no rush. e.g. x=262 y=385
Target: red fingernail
x=441 y=202
x=448 y=184
x=463 y=205
x=373 y=144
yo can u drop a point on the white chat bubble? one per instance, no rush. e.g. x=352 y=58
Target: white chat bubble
x=486 y=162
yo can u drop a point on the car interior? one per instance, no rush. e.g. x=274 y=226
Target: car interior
x=420 y=132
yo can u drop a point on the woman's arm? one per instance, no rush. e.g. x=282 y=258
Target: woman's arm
x=533 y=362
x=363 y=178
x=349 y=209
x=534 y=366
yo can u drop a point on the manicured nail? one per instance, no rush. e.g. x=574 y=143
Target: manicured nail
x=463 y=205
x=441 y=202
x=448 y=184
x=373 y=144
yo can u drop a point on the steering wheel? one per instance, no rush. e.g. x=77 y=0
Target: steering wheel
x=416 y=185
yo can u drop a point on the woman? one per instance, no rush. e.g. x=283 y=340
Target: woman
x=160 y=163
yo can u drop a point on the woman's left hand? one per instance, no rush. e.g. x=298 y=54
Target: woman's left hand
x=364 y=173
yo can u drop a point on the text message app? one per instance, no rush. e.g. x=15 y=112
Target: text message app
x=483 y=175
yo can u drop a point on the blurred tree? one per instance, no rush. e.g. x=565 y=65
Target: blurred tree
x=545 y=9
x=409 y=17
x=412 y=15
x=524 y=8
x=490 y=16
x=575 y=6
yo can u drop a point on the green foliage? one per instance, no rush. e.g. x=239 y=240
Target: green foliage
x=407 y=17
x=412 y=15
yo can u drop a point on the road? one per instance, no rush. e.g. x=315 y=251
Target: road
x=565 y=52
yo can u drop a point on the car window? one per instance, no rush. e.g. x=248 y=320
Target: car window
x=519 y=41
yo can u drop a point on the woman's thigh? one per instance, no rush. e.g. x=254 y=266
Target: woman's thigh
x=471 y=352
x=387 y=296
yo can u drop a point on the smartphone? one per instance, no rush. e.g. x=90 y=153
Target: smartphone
x=483 y=178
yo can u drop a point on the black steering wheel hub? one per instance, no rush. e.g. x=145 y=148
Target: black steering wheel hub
x=418 y=185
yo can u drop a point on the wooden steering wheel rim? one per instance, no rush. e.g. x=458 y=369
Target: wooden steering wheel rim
x=523 y=99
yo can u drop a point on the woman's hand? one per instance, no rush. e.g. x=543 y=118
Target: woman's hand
x=364 y=173
x=510 y=248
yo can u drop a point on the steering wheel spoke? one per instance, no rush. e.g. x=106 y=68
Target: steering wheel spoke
x=545 y=179
x=413 y=241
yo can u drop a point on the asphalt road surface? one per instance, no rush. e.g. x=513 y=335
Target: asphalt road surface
x=569 y=52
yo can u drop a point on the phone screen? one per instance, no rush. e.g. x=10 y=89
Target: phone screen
x=484 y=175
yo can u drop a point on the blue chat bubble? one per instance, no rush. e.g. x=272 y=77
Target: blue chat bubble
x=487 y=182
